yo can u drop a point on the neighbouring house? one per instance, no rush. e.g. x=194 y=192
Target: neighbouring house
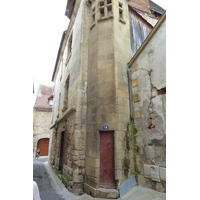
x=147 y=73
x=92 y=146
x=42 y=115
x=143 y=15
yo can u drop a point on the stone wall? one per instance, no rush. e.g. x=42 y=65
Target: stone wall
x=98 y=96
x=148 y=74
x=107 y=91
x=41 y=126
x=42 y=122
x=71 y=119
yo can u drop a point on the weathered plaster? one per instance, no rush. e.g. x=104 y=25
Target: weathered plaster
x=150 y=90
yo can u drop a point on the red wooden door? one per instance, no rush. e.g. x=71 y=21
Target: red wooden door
x=107 y=168
x=43 y=145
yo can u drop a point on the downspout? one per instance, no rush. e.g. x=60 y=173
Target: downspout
x=132 y=122
x=56 y=134
x=130 y=93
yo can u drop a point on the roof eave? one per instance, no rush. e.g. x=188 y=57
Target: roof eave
x=69 y=8
x=58 y=55
x=147 y=39
x=156 y=10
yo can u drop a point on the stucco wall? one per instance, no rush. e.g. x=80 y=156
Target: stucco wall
x=148 y=74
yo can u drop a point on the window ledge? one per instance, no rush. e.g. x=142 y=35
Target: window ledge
x=68 y=113
x=92 y=25
x=67 y=60
x=105 y=18
x=64 y=108
x=122 y=20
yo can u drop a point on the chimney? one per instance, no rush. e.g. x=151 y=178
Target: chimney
x=142 y=5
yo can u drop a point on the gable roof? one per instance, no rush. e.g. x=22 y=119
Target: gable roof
x=69 y=8
x=147 y=39
x=58 y=54
x=43 y=95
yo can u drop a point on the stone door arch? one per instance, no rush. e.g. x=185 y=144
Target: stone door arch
x=43 y=145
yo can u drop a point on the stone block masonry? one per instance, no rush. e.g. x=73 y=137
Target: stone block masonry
x=108 y=100
x=69 y=160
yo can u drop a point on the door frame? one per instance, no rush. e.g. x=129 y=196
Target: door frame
x=39 y=143
x=100 y=131
x=62 y=144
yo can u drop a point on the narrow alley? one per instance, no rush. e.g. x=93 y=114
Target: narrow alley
x=41 y=177
x=103 y=123
x=51 y=187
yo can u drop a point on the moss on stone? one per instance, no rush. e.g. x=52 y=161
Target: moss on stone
x=134 y=132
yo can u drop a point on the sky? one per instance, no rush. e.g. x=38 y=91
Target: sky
x=30 y=36
x=49 y=24
x=161 y=3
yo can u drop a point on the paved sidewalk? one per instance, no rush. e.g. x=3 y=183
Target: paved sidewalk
x=142 y=193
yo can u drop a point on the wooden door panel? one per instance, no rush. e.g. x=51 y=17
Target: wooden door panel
x=107 y=169
x=43 y=145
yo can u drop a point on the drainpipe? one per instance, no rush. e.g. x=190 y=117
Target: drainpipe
x=130 y=93
x=56 y=134
x=132 y=123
